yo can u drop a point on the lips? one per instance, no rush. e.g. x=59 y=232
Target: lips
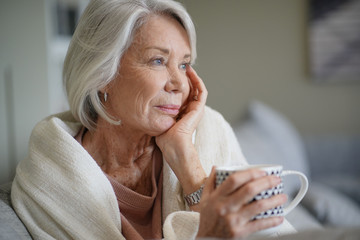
x=170 y=109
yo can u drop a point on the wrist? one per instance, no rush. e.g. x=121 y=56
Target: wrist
x=187 y=168
x=192 y=178
x=195 y=197
x=193 y=183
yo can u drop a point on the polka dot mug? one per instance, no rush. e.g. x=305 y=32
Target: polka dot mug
x=223 y=172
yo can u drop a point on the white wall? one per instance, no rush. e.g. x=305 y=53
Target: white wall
x=23 y=59
x=257 y=49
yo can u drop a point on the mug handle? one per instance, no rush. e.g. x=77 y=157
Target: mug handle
x=300 y=195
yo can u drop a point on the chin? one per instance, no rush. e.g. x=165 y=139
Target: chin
x=165 y=126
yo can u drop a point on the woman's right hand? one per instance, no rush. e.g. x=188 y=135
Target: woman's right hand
x=226 y=211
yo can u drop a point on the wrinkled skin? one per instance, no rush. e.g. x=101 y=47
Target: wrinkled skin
x=160 y=101
x=226 y=212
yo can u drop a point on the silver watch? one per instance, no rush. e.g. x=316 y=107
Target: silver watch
x=194 y=198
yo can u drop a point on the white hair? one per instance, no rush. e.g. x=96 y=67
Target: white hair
x=104 y=32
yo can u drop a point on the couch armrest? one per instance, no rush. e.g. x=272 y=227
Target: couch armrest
x=11 y=226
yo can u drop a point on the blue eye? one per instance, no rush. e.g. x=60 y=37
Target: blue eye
x=183 y=66
x=158 y=61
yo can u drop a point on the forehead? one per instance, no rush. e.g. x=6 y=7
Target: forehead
x=161 y=30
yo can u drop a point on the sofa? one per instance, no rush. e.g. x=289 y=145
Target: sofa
x=331 y=163
x=11 y=227
x=329 y=210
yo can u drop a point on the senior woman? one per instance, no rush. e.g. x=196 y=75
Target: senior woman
x=131 y=158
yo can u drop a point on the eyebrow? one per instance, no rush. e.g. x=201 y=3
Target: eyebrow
x=166 y=51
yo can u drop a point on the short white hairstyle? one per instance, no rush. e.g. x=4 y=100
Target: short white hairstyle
x=105 y=31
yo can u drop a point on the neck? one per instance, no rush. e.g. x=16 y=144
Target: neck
x=124 y=154
x=115 y=146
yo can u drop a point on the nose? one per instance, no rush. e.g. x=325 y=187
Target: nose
x=177 y=81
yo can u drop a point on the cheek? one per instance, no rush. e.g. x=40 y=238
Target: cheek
x=145 y=82
x=146 y=89
x=151 y=86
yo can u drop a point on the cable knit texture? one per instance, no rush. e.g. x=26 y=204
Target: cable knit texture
x=59 y=191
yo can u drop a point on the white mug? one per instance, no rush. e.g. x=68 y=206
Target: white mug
x=223 y=172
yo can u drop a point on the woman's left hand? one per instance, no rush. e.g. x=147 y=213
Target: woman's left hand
x=176 y=143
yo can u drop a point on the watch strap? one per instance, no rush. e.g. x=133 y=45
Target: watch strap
x=194 y=198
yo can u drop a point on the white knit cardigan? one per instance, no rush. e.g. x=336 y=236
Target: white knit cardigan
x=60 y=192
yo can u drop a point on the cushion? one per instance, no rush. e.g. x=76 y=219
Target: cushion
x=11 y=226
x=268 y=137
x=333 y=153
x=331 y=207
x=343 y=182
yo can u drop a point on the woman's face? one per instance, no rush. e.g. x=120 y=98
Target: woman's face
x=152 y=84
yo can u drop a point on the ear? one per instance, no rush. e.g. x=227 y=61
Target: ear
x=103 y=93
x=107 y=88
x=104 y=89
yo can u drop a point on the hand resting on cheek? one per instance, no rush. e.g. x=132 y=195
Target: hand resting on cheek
x=176 y=143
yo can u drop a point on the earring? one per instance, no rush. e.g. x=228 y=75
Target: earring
x=105 y=96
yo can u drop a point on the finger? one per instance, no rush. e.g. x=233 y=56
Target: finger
x=252 y=188
x=199 y=89
x=261 y=224
x=209 y=183
x=256 y=207
x=238 y=179
x=193 y=110
x=193 y=97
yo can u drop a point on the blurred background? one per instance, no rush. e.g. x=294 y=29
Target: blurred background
x=246 y=50
x=260 y=49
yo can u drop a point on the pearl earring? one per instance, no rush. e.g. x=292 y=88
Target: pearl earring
x=105 y=96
